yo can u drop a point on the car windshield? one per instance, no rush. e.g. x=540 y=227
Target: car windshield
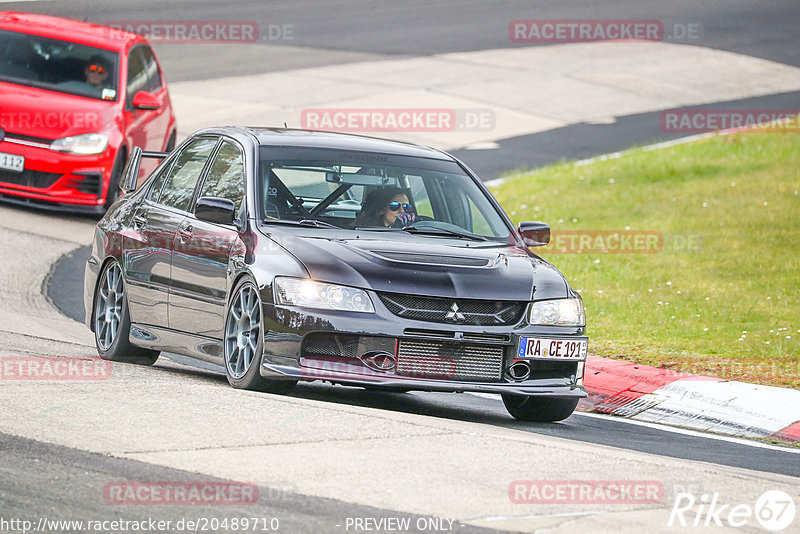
x=58 y=65
x=377 y=192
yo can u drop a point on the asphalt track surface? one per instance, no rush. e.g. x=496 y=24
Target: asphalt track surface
x=330 y=32
x=35 y=475
x=39 y=477
x=64 y=288
x=420 y=27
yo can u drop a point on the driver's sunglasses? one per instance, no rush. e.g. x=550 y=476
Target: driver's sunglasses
x=96 y=68
x=395 y=206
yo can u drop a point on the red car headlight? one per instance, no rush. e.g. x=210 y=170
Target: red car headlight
x=81 y=144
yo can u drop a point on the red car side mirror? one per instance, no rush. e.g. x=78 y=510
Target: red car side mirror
x=145 y=100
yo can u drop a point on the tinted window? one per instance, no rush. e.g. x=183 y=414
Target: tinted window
x=151 y=68
x=137 y=75
x=387 y=191
x=226 y=177
x=420 y=194
x=58 y=66
x=183 y=176
x=158 y=183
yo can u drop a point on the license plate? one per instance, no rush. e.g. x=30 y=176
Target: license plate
x=562 y=349
x=12 y=162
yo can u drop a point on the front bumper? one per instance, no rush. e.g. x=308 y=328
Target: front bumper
x=532 y=386
x=55 y=180
x=286 y=356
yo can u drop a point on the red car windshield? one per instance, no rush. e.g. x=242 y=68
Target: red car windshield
x=58 y=65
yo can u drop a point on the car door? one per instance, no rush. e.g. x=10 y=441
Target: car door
x=147 y=256
x=202 y=251
x=136 y=119
x=156 y=121
x=146 y=128
x=148 y=260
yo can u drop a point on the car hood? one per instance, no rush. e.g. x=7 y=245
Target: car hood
x=49 y=114
x=432 y=266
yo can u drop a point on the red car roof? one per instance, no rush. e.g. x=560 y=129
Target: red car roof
x=75 y=31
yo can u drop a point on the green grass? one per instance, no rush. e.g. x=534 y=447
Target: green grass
x=734 y=200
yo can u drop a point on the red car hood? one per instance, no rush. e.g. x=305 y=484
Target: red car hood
x=51 y=115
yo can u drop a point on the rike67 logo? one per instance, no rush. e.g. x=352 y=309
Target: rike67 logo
x=774 y=510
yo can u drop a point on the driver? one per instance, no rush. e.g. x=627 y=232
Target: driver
x=96 y=71
x=387 y=206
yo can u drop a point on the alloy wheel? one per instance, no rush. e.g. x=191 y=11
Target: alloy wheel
x=108 y=310
x=242 y=331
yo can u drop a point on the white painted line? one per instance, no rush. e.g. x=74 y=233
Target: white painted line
x=494 y=183
x=615 y=155
x=726 y=407
x=486 y=145
x=516 y=517
x=690 y=432
x=672 y=429
x=646 y=148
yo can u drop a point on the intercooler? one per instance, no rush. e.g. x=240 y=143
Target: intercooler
x=443 y=360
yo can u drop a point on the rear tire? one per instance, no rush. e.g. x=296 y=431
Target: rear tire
x=538 y=409
x=112 y=323
x=243 y=342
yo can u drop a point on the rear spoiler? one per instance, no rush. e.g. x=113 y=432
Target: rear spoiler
x=151 y=154
x=130 y=174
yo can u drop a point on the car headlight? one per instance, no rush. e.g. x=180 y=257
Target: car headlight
x=558 y=312
x=81 y=144
x=311 y=294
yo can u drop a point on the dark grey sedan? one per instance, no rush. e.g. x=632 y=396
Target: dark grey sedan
x=288 y=255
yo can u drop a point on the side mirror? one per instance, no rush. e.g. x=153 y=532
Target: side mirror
x=145 y=100
x=130 y=174
x=215 y=210
x=534 y=233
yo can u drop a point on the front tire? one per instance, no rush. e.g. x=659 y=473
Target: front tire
x=243 y=343
x=112 y=322
x=538 y=409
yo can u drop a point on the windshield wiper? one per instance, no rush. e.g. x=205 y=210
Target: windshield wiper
x=435 y=230
x=314 y=223
x=318 y=224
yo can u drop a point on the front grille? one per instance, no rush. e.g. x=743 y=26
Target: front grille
x=24 y=137
x=440 y=310
x=432 y=259
x=339 y=345
x=468 y=336
x=29 y=178
x=444 y=360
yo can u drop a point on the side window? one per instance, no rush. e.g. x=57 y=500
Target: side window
x=137 y=75
x=151 y=69
x=480 y=225
x=180 y=184
x=419 y=194
x=158 y=183
x=226 y=177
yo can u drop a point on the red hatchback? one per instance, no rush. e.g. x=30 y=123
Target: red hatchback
x=75 y=98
